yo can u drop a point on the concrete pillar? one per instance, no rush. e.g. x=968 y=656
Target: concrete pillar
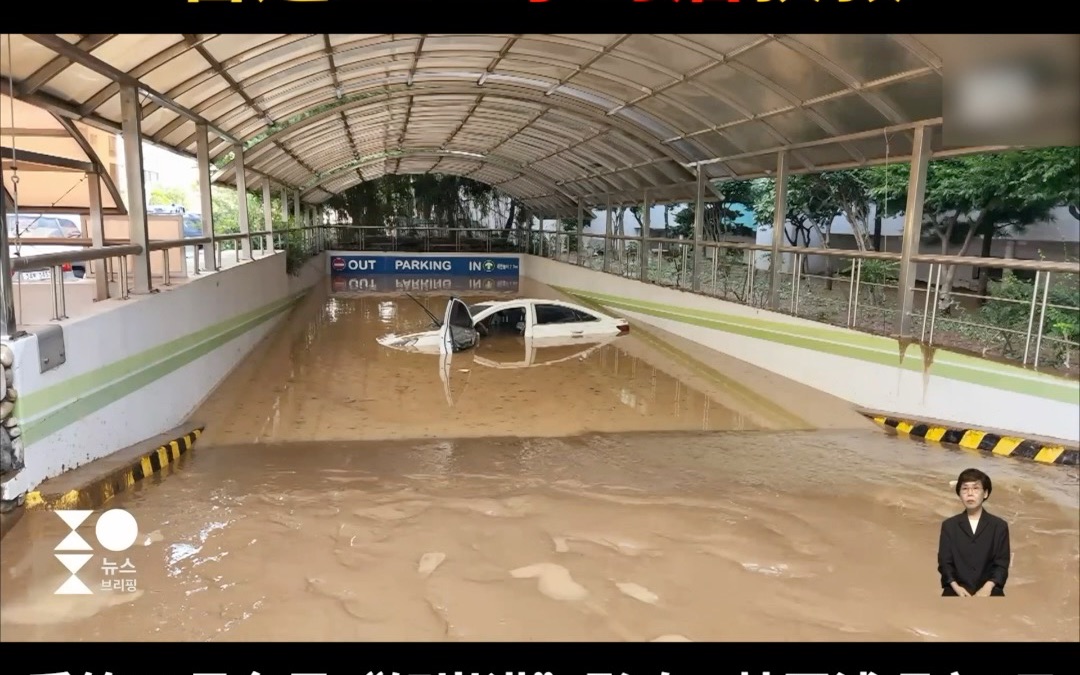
x=297 y=216
x=779 y=221
x=285 y=205
x=131 y=117
x=206 y=197
x=913 y=218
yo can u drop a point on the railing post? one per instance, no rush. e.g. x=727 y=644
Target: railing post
x=913 y=217
x=779 y=220
x=131 y=115
x=206 y=197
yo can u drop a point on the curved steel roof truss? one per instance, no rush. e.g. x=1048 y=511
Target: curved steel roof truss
x=550 y=119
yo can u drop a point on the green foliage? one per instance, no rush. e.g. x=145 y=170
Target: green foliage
x=1009 y=190
x=1009 y=310
x=167 y=196
x=450 y=201
x=227 y=211
x=297 y=251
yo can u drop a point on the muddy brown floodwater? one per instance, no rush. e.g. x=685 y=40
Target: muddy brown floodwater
x=630 y=494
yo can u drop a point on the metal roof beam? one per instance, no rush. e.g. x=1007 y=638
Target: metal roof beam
x=87 y=60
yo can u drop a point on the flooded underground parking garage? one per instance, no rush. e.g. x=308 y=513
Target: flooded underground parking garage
x=619 y=490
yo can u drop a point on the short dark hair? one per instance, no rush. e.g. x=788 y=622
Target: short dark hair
x=974 y=476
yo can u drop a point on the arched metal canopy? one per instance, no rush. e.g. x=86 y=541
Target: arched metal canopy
x=549 y=119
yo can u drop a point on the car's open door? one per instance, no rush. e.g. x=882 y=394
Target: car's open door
x=457 y=332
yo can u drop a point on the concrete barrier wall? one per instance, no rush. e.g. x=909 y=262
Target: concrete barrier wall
x=136 y=368
x=869 y=371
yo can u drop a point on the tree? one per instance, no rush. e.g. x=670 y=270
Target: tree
x=450 y=201
x=721 y=216
x=988 y=195
x=167 y=196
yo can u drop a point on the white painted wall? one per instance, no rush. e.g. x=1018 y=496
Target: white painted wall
x=132 y=327
x=870 y=385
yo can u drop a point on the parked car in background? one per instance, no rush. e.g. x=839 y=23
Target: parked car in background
x=192 y=225
x=44 y=226
x=192 y=222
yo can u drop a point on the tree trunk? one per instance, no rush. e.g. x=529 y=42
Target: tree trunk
x=857 y=217
x=984 y=272
x=945 y=302
x=825 y=231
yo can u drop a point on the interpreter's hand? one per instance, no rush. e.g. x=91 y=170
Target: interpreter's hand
x=984 y=592
x=961 y=591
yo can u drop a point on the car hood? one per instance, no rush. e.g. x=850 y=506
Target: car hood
x=423 y=341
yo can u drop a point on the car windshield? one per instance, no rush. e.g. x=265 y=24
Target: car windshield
x=26 y=223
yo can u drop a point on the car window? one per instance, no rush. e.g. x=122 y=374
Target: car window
x=546 y=314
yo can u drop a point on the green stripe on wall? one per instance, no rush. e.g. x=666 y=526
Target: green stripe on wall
x=854 y=345
x=121 y=378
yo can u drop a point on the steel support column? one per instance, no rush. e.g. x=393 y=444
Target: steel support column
x=699 y=229
x=580 y=231
x=206 y=197
x=131 y=115
x=913 y=217
x=643 y=247
x=96 y=225
x=7 y=297
x=268 y=217
x=241 y=203
x=779 y=221
x=285 y=206
x=608 y=224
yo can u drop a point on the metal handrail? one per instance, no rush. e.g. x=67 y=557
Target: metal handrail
x=49 y=260
x=855 y=254
x=117 y=247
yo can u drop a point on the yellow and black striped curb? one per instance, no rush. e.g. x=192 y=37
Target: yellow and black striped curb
x=99 y=490
x=982 y=441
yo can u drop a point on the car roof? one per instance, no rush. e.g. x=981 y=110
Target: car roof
x=487 y=304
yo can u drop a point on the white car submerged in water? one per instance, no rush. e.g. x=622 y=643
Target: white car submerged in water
x=542 y=322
